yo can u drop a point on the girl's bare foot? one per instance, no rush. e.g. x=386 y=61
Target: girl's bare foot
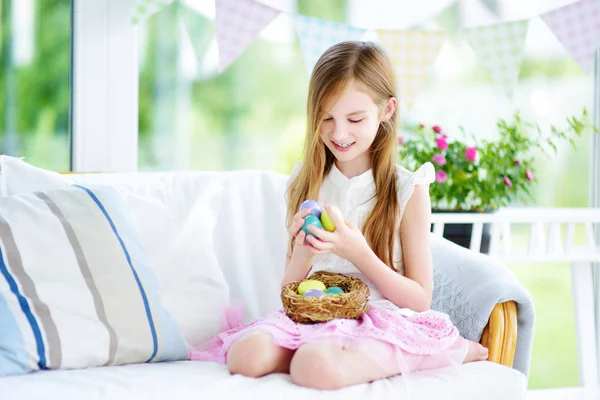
x=476 y=352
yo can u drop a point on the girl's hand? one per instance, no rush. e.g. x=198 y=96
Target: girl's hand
x=302 y=249
x=347 y=241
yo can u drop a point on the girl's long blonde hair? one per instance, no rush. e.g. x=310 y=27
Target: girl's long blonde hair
x=366 y=64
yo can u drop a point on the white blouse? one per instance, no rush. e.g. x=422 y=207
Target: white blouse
x=355 y=199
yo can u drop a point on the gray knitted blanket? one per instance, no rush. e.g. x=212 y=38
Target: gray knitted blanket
x=467 y=286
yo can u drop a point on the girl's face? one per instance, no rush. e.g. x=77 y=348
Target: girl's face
x=349 y=128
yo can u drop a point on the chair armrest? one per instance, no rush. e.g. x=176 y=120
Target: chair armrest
x=500 y=334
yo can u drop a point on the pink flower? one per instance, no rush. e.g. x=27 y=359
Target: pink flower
x=437 y=129
x=400 y=140
x=529 y=175
x=471 y=154
x=441 y=176
x=507 y=181
x=441 y=142
x=439 y=159
x=421 y=126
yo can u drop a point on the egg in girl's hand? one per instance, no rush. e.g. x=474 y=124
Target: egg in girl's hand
x=334 y=290
x=313 y=206
x=311 y=284
x=326 y=220
x=311 y=220
x=314 y=293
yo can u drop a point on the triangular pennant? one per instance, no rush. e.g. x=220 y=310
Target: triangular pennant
x=238 y=23
x=577 y=27
x=492 y=5
x=499 y=49
x=317 y=35
x=199 y=29
x=199 y=35
x=145 y=8
x=412 y=53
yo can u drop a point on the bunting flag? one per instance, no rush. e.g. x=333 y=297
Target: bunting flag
x=577 y=27
x=412 y=53
x=145 y=8
x=238 y=23
x=317 y=35
x=500 y=49
x=492 y=5
x=199 y=30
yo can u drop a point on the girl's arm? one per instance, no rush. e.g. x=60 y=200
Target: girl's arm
x=296 y=269
x=298 y=265
x=414 y=290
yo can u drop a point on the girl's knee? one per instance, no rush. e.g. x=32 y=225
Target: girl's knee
x=251 y=355
x=316 y=367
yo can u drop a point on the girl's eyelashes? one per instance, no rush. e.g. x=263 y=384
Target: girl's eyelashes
x=352 y=121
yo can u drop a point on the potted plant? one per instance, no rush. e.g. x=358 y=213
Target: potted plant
x=476 y=175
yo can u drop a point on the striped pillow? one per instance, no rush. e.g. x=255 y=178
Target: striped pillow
x=75 y=287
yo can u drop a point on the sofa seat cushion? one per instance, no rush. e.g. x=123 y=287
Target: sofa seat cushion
x=202 y=380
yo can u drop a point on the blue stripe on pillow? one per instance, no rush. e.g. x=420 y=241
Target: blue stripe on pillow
x=172 y=345
x=135 y=275
x=14 y=359
x=26 y=310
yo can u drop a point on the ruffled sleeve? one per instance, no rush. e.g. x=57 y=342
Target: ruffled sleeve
x=407 y=180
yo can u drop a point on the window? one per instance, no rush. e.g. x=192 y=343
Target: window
x=35 y=81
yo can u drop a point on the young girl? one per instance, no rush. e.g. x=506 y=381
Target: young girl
x=382 y=238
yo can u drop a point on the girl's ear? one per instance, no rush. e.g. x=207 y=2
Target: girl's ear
x=389 y=108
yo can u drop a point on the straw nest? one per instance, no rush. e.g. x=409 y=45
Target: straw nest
x=350 y=304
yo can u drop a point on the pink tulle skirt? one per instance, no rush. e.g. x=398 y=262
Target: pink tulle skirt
x=398 y=339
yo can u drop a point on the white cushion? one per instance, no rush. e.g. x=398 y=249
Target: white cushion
x=75 y=287
x=176 y=214
x=16 y=177
x=251 y=238
x=201 y=380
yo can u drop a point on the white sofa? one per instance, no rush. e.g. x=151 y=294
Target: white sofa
x=248 y=238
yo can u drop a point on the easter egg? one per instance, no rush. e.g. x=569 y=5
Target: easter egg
x=313 y=206
x=326 y=220
x=311 y=284
x=311 y=220
x=314 y=293
x=334 y=290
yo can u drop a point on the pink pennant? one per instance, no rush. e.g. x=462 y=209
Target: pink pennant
x=577 y=27
x=238 y=23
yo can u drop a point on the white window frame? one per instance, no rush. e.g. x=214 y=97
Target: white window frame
x=105 y=87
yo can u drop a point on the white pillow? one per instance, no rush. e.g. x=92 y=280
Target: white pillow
x=75 y=287
x=252 y=222
x=176 y=215
x=16 y=177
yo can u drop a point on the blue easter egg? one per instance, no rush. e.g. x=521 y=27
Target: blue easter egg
x=311 y=220
x=315 y=208
x=314 y=293
x=334 y=290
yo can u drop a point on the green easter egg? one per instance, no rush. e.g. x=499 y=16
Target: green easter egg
x=311 y=220
x=326 y=220
x=334 y=290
